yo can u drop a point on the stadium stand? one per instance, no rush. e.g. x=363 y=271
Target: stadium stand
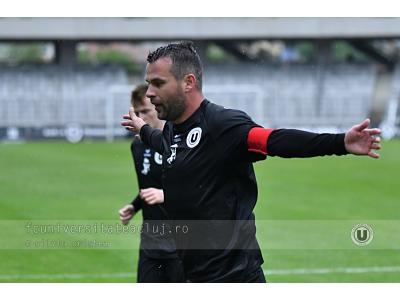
x=391 y=123
x=37 y=96
x=294 y=97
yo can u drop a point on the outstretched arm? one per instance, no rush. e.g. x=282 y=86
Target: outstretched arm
x=358 y=140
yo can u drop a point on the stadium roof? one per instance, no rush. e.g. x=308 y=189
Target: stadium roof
x=196 y=28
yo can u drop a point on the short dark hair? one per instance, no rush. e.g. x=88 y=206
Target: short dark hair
x=185 y=60
x=138 y=94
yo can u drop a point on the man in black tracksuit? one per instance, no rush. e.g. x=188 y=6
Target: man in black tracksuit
x=158 y=260
x=208 y=177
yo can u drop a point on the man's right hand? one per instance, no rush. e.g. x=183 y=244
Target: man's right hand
x=133 y=123
x=126 y=213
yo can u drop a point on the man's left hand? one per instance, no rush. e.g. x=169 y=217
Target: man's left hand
x=361 y=140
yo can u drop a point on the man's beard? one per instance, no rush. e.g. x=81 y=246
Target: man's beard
x=173 y=108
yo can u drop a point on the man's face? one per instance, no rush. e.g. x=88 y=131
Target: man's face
x=146 y=112
x=164 y=91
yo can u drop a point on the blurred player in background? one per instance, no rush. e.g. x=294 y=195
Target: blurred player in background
x=158 y=260
x=208 y=154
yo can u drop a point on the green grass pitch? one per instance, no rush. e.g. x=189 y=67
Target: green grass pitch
x=92 y=180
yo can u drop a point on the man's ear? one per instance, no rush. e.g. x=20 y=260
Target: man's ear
x=190 y=82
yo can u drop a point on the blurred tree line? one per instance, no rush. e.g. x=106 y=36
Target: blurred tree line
x=42 y=53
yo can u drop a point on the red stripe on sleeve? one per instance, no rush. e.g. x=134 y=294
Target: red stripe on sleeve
x=257 y=140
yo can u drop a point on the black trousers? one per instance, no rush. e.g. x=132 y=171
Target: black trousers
x=159 y=270
x=254 y=277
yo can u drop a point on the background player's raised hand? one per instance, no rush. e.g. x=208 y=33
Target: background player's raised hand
x=361 y=140
x=152 y=196
x=126 y=213
x=133 y=122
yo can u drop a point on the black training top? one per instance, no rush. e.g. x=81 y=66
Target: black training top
x=208 y=176
x=155 y=242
